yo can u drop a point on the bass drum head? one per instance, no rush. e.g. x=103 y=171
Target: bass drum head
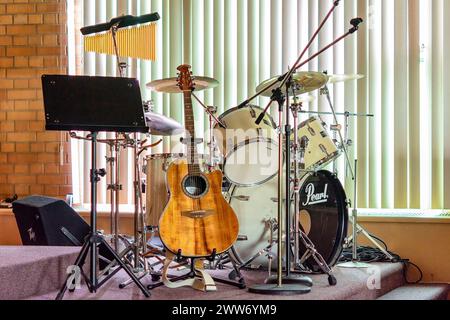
x=323 y=217
x=256 y=208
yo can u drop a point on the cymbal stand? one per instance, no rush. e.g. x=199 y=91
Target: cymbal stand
x=325 y=91
x=141 y=265
x=212 y=142
x=356 y=227
x=138 y=212
x=114 y=187
x=208 y=111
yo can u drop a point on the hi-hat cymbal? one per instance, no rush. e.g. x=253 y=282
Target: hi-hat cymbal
x=303 y=82
x=170 y=85
x=335 y=78
x=161 y=125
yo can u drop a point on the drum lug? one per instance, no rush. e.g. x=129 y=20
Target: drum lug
x=260 y=132
x=252 y=112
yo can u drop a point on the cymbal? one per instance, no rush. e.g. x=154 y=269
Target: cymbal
x=335 y=78
x=304 y=82
x=170 y=85
x=161 y=125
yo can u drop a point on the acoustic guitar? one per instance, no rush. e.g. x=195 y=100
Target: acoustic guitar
x=197 y=221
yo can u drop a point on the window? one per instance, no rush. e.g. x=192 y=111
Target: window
x=403 y=153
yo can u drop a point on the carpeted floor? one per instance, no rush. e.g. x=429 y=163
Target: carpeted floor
x=36 y=273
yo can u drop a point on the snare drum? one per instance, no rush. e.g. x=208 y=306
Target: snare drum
x=320 y=149
x=250 y=151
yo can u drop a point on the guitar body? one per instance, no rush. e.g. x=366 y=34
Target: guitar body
x=197 y=220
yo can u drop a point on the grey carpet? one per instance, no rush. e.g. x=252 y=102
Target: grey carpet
x=37 y=273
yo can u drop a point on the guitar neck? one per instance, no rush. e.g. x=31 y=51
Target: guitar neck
x=189 y=120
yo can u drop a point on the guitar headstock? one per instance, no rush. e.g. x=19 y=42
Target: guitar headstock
x=185 y=80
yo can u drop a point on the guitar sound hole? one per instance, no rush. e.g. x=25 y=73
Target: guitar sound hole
x=195 y=186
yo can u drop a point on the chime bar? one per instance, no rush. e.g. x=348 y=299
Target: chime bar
x=137 y=42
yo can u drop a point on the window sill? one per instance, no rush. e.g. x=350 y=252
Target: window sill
x=403 y=216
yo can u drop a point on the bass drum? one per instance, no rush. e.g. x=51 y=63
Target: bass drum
x=323 y=217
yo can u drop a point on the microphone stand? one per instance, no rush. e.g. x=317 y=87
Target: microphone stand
x=355 y=22
x=285 y=76
x=296 y=285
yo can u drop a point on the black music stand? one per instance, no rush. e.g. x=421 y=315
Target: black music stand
x=95 y=104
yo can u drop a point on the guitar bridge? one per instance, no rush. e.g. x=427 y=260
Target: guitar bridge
x=197 y=214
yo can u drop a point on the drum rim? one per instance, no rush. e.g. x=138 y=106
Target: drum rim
x=165 y=156
x=158 y=156
x=229 y=111
x=243 y=144
x=341 y=233
x=326 y=161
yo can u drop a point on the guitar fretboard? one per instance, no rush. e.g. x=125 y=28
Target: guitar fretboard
x=192 y=154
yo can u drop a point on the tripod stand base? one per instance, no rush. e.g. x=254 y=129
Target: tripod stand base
x=284 y=290
x=291 y=279
x=354 y=265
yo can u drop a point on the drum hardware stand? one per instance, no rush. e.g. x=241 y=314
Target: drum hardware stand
x=211 y=111
x=208 y=111
x=114 y=187
x=299 y=235
x=356 y=228
x=122 y=66
x=141 y=265
x=325 y=91
x=273 y=226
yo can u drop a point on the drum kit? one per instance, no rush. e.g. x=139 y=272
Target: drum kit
x=247 y=154
x=256 y=155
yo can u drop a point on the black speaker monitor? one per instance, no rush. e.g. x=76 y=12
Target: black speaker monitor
x=44 y=221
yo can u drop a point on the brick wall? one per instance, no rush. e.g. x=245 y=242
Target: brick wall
x=32 y=42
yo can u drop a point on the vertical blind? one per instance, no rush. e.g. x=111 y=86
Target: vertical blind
x=403 y=153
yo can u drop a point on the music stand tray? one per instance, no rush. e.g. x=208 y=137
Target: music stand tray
x=96 y=104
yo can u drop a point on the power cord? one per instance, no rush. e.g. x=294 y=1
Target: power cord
x=369 y=254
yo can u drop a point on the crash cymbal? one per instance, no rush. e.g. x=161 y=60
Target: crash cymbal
x=335 y=78
x=170 y=85
x=304 y=82
x=161 y=125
